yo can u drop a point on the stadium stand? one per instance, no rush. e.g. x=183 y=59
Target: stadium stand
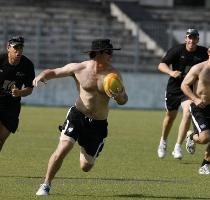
x=57 y=33
x=147 y=22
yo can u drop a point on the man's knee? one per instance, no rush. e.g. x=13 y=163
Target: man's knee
x=86 y=167
x=86 y=161
x=204 y=138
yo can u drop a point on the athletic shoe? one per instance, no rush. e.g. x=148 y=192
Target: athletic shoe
x=177 y=153
x=204 y=170
x=190 y=144
x=162 y=150
x=44 y=189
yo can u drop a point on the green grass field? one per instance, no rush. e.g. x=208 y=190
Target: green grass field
x=128 y=167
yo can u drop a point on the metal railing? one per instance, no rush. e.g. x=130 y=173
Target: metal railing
x=54 y=42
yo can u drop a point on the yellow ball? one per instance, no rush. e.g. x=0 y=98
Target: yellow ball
x=112 y=84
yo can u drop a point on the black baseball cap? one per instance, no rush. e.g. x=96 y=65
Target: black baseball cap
x=16 y=41
x=192 y=32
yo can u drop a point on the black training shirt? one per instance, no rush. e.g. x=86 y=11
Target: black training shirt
x=182 y=60
x=20 y=75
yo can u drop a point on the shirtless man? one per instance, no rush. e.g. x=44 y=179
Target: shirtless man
x=86 y=122
x=199 y=78
x=176 y=63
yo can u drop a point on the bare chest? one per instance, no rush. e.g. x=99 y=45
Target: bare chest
x=204 y=77
x=91 y=82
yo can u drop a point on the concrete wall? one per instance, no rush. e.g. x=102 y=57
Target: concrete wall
x=144 y=91
x=168 y=3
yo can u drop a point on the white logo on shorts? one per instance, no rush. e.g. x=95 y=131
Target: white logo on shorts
x=203 y=126
x=70 y=129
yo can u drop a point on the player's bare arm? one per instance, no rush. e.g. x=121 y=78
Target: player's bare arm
x=16 y=92
x=190 y=79
x=67 y=70
x=121 y=97
x=163 y=67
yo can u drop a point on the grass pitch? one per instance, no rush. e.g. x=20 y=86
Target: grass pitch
x=127 y=168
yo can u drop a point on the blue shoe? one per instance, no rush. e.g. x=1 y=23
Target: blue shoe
x=44 y=189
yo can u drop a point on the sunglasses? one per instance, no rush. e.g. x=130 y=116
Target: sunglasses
x=109 y=52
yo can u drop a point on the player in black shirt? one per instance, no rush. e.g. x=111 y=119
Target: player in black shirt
x=16 y=76
x=176 y=63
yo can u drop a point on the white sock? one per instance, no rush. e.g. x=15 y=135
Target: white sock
x=178 y=146
x=162 y=141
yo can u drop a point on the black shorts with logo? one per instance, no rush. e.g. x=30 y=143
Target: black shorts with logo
x=9 y=115
x=200 y=117
x=89 y=133
x=173 y=100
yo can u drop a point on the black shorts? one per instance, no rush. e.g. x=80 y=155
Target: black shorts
x=173 y=100
x=9 y=115
x=200 y=118
x=89 y=133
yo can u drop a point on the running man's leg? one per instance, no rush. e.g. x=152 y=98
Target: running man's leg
x=56 y=159
x=204 y=169
x=183 y=128
x=168 y=121
x=4 y=134
x=185 y=122
x=54 y=165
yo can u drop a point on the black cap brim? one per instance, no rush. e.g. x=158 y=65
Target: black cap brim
x=16 y=44
x=192 y=34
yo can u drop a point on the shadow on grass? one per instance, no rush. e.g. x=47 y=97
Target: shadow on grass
x=102 y=180
x=190 y=163
x=141 y=196
x=76 y=180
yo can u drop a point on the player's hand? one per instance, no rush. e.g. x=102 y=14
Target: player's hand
x=39 y=79
x=15 y=91
x=198 y=102
x=120 y=96
x=175 y=74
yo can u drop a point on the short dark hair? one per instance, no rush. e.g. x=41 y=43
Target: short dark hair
x=92 y=54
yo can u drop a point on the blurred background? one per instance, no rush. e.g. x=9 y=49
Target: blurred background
x=58 y=32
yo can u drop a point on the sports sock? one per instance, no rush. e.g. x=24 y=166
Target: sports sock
x=162 y=140
x=205 y=162
x=178 y=146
